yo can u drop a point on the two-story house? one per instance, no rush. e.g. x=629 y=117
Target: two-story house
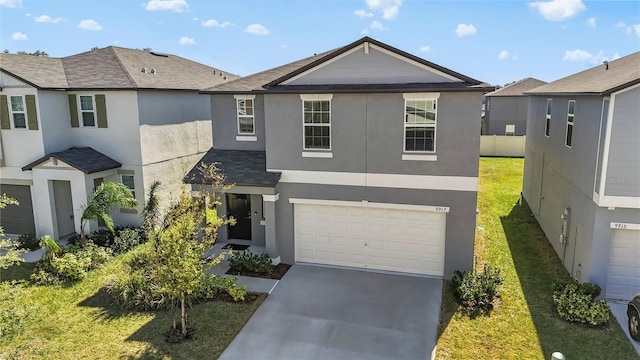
x=364 y=156
x=582 y=172
x=111 y=114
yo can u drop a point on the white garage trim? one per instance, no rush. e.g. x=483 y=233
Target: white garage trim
x=365 y=203
x=623 y=275
x=624 y=226
x=375 y=236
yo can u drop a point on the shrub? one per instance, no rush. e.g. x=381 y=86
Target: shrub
x=122 y=239
x=29 y=241
x=477 y=290
x=73 y=265
x=126 y=240
x=247 y=262
x=70 y=266
x=576 y=303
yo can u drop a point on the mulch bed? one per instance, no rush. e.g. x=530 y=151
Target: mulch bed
x=277 y=273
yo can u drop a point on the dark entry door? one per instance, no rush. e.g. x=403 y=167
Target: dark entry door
x=239 y=207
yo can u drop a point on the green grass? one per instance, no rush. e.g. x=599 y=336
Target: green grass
x=80 y=322
x=524 y=325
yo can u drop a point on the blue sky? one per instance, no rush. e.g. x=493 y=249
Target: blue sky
x=493 y=41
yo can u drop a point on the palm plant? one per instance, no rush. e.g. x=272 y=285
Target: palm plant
x=105 y=198
x=51 y=248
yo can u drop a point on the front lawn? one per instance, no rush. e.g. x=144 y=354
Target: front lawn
x=525 y=325
x=80 y=322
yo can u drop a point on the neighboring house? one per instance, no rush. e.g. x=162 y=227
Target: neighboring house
x=506 y=108
x=582 y=172
x=364 y=156
x=111 y=114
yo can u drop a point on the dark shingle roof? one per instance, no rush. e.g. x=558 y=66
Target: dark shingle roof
x=269 y=80
x=622 y=73
x=84 y=159
x=240 y=167
x=113 y=68
x=517 y=88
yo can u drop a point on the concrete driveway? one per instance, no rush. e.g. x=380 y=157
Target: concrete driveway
x=323 y=313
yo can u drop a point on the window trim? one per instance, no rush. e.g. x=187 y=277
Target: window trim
x=547 y=124
x=133 y=191
x=310 y=98
x=568 y=141
x=94 y=111
x=24 y=112
x=238 y=116
x=434 y=100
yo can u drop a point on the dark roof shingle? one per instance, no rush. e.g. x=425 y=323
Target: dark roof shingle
x=240 y=167
x=517 y=88
x=84 y=159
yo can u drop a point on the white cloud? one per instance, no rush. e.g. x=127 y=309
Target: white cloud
x=11 y=3
x=195 y=19
x=634 y=29
x=173 y=5
x=90 y=25
x=257 y=29
x=465 y=29
x=215 y=23
x=27 y=14
x=592 y=22
x=556 y=10
x=362 y=13
x=615 y=56
x=621 y=24
x=425 y=49
x=585 y=56
x=389 y=8
x=514 y=57
x=18 y=36
x=185 y=40
x=377 y=25
x=48 y=19
x=365 y=32
x=283 y=46
x=504 y=54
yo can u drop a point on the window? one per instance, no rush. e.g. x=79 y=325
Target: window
x=548 y=120
x=18 y=112
x=128 y=181
x=571 y=111
x=246 y=124
x=87 y=110
x=420 y=125
x=510 y=130
x=317 y=124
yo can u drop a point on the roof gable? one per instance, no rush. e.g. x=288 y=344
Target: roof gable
x=84 y=159
x=517 y=88
x=37 y=71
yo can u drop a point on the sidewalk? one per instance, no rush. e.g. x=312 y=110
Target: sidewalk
x=253 y=284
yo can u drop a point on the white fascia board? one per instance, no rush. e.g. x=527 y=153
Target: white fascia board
x=271 y=198
x=418 y=96
x=367 y=204
x=316 y=96
x=629 y=202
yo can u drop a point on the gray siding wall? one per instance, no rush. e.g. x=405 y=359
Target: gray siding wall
x=56 y=128
x=367 y=135
x=172 y=107
x=623 y=168
x=461 y=220
x=225 y=124
x=375 y=67
x=505 y=110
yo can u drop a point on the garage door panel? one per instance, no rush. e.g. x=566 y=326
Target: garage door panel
x=368 y=237
x=17 y=219
x=623 y=279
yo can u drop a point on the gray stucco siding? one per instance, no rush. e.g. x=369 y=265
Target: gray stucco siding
x=460 y=221
x=379 y=68
x=172 y=107
x=506 y=110
x=225 y=124
x=54 y=109
x=623 y=167
x=367 y=135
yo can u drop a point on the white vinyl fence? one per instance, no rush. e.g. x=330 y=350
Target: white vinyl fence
x=500 y=145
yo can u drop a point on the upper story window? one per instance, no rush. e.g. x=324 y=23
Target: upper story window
x=128 y=181
x=246 y=122
x=87 y=110
x=547 y=123
x=18 y=112
x=420 y=119
x=571 y=111
x=316 y=118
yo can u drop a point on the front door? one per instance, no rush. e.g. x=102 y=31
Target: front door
x=239 y=207
x=64 y=207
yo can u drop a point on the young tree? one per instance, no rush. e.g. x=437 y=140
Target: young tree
x=9 y=252
x=151 y=212
x=105 y=198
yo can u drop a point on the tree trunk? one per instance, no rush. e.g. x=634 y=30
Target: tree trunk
x=184 y=317
x=82 y=224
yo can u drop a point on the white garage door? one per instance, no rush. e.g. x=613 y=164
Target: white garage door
x=381 y=238
x=624 y=265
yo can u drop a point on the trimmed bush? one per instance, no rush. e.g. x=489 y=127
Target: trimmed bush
x=72 y=265
x=247 y=262
x=29 y=241
x=576 y=303
x=477 y=290
x=126 y=240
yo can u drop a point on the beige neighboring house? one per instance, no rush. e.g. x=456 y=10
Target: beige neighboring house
x=112 y=114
